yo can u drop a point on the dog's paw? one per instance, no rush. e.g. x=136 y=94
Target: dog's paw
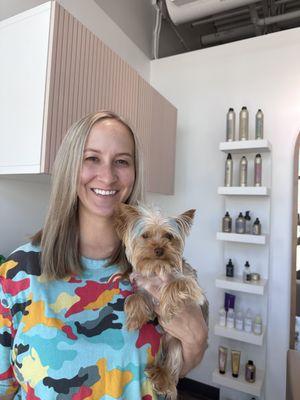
x=137 y=311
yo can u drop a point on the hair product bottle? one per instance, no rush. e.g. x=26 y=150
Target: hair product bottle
x=228 y=170
x=230 y=269
x=222 y=316
x=259 y=125
x=243 y=171
x=248 y=321
x=257 y=325
x=230 y=318
x=247 y=272
x=240 y=224
x=257 y=170
x=226 y=223
x=256 y=228
x=244 y=124
x=248 y=222
x=239 y=321
x=230 y=125
x=235 y=363
x=222 y=359
x=250 y=371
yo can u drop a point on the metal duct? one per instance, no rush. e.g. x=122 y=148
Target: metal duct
x=181 y=11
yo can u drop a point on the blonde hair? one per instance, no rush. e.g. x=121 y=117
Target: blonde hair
x=59 y=238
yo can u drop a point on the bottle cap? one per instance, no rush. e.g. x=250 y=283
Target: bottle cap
x=227 y=214
x=256 y=221
x=244 y=108
x=229 y=156
x=230 y=109
x=247 y=215
x=258 y=155
x=247 y=264
x=240 y=215
x=250 y=362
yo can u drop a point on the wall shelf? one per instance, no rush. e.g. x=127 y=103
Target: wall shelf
x=238 y=285
x=240 y=383
x=241 y=238
x=244 y=191
x=242 y=336
x=246 y=146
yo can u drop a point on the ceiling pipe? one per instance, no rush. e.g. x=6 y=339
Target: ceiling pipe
x=220 y=17
x=276 y=18
x=227 y=35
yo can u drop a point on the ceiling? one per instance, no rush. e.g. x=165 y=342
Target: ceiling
x=259 y=18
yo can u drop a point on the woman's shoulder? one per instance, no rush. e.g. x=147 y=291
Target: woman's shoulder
x=25 y=260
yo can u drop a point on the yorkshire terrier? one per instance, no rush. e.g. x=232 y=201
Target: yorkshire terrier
x=154 y=246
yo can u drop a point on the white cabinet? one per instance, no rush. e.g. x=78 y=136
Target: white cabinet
x=53 y=71
x=241 y=248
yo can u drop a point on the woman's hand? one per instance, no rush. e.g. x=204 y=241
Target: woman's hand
x=188 y=326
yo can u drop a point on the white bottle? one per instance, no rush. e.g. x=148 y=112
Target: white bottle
x=257 y=326
x=230 y=318
x=222 y=317
x=239 y=321
x=248 y=321
x=244 y=124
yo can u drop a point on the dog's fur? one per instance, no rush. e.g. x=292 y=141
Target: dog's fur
x=154 y=246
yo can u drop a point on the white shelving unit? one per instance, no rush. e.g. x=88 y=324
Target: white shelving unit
x=237 y=284
x=240 y=383
x=242 y=238
x=234 y=201
x=241 y=336
x=244 y=191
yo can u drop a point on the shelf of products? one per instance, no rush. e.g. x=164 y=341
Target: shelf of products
x=244 y=191
x=246 y=146
x=240 y=383
x=242 y=336
x=242 y=238
x=238 y=285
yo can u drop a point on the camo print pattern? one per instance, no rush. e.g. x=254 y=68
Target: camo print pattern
x=66 y=339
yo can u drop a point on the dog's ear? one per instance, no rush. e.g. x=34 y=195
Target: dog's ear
x=123 y=216
x=185 y=221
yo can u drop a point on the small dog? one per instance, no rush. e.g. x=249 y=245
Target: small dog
x=154 y=246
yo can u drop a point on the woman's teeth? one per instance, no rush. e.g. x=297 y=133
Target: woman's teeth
x=104 y=192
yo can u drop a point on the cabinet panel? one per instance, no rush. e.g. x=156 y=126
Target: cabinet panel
x=23 y=49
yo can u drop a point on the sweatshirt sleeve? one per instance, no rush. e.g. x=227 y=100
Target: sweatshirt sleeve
x=8 y=382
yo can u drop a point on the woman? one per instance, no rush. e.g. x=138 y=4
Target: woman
x=62 y=333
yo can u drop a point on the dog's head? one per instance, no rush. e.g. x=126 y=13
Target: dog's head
x=153 y=243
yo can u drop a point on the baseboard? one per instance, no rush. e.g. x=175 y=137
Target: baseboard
x=195 y=387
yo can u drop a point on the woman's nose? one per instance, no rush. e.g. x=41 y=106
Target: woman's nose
x=106 y=174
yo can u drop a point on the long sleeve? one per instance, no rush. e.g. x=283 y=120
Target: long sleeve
x=8 y=383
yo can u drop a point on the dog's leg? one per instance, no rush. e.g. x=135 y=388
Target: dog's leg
x=139 y=310
x=180 y=291
x=164 y=374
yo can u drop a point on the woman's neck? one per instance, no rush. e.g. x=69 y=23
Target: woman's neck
x=97 y=237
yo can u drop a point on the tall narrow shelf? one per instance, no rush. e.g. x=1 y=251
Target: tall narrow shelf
x=236 y=198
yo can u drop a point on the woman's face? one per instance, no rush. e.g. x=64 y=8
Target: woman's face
x=107 y=175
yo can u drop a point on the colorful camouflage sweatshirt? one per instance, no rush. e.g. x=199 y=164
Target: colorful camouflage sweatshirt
x=66 y=339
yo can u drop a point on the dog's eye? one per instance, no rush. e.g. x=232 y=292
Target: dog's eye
x=145 y=235
x=168 y=236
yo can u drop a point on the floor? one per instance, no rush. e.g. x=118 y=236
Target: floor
x=189 y=396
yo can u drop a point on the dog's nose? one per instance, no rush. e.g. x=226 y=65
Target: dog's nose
x=158 y=251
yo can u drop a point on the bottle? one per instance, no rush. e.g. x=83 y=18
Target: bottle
x=230 y=318
x=240 y=224
x=257 y=325
x=259 y=125
x=256 y=228
x=230 y=269
x=250 y=371
x=226 y=223
x=228 y=170
x=239 y=321
x=247 y=273
x=243 y=171
x=222 y=317
x=248 y=320
x=248 y=222
x=230 y=125
x=244 y=124
x=257 y=170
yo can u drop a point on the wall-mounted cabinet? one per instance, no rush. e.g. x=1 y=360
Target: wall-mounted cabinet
x=53 y=72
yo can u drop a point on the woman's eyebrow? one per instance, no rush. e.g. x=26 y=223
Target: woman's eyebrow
x=100 y=152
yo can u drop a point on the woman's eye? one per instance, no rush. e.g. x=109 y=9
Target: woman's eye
x=92 y=159
x=168 y=236
x=122 y=162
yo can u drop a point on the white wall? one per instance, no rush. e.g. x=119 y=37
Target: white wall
x=262 y=73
